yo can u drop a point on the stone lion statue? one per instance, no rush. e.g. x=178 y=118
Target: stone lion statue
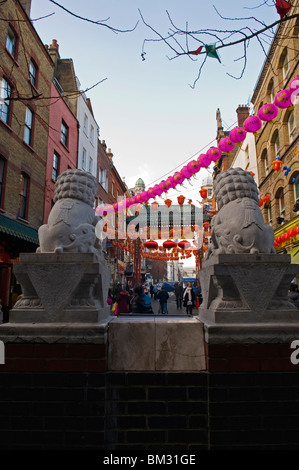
x=72 y=220
x=239 y=226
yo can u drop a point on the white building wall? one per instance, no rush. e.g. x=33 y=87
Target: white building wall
x=245 y=158
x=88 y=135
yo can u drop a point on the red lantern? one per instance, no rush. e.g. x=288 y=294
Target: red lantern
x=266 y=199
x=203 y=193
x=184 y=244
x=206 y=225
x=151 y=245
x=155 y=205
x=277 y=164
x=168 y=244
x=168 y=202
x=291 y=232
x=297 y=230
x=181 y=200
x=261 y=202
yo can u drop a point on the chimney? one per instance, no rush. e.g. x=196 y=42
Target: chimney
x=26 y=4
x=54 y=51
x=242 y=114
x=110 y=154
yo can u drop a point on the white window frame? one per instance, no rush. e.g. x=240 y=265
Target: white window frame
x=292 y=127
x=28 y=126
x=84 y=153
x=5 y=92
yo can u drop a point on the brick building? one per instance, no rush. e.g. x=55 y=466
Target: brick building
x=26 y=71
x=279 y=138
x=62 y=143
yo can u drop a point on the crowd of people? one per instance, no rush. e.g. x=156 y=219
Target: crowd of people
x=124 y=300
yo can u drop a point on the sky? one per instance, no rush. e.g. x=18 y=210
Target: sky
x=149 y=115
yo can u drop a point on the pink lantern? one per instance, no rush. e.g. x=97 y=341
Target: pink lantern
x=157 y=189
x=214 y=153
x=252 y=124
x=204 y=160
x=168 y=184
x=294 y=85
x=226 y=145
x=283 y=99
x=185 y=172
x=172 y=182
x=150 y=194
x=178 y=177
x=163 y=186
x=267 y=112
x=237 y=134
x=193 y=166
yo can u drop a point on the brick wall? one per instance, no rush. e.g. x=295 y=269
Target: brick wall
x=62 y=396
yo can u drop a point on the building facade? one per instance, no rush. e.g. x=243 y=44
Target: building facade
x=26 y=71
x=278 y=139
x=62 y=143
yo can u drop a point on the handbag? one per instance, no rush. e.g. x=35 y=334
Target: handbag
x=113 y=307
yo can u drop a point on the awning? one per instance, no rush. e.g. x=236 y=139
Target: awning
x=294 y=252
x=17 y=229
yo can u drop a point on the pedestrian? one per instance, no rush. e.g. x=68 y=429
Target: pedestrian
x=123 y=301
x=141 y=302
x=293 y=295
x=109 y=298
x=155 y=290
x=178 y=290
x=162 y=296
x=152 y=290
x=189 y=299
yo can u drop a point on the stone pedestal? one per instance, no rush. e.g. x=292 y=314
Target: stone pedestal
x=64 y=298
x=245 y=298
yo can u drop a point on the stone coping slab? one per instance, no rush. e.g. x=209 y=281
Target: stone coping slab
x=54 y=333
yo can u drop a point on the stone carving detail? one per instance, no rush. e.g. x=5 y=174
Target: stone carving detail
x=239 y=225
x=72 y=220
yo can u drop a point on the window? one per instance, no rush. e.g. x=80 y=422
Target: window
x=113 y=189
x=270 y=91
x=5 y=95
x=11 y=41
x=55 y=166
x=83 y=158
x=292 y=127
x=64 y=133
x=276 y=145
x=103 y=179
x=90 y=166
x=23 y=195
x=85 y=125
x=91 y=134
x=2 y=175
x=269 y=214
x=32 y=73
x=296 y=189
x=265 y=161
x=281 y=202
x=285 y=66
x=28 y=126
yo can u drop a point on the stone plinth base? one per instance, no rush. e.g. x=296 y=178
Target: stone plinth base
x=247 y=289
x=156 y=344
x=61 y=288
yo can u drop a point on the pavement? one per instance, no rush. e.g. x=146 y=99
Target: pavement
x=171 y=307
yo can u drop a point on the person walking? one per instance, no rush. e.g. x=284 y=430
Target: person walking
x=123 y=301
x=189 y=299
x=178 y=290
x=162 y=296
x=293 y=295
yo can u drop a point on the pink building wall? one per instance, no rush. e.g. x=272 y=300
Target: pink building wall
x=59 y=111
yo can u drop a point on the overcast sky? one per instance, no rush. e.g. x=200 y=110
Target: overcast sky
x=148 y=114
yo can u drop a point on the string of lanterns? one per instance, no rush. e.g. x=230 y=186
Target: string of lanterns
x=252 y=124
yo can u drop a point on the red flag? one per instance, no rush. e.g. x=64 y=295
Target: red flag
x=282 y=8
x=197 y=52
